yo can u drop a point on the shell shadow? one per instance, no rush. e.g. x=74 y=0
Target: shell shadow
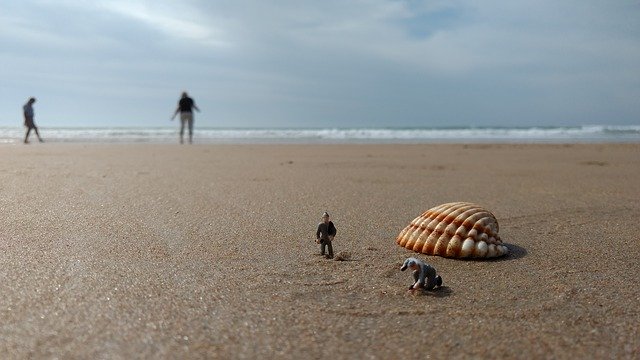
x=515 y=252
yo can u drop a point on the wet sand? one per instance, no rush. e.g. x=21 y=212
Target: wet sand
x=206 y=251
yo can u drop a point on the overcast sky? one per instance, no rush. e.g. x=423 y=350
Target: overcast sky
x=328 y=63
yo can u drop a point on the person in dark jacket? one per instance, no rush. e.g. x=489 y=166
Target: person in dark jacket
x=325 y=234
x=185 y=108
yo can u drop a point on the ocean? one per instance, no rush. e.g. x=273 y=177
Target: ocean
x=568 y=134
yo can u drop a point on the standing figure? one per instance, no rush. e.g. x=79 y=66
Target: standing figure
x=424 y=275
x=325 y=234
x=27 y=110
x=185 y=108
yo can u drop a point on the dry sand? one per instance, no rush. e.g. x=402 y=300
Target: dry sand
x=206 y=251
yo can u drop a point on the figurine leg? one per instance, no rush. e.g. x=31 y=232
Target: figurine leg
x=432 y=282
x=330 y=248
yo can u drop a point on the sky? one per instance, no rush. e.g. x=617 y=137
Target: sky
x=329 y=63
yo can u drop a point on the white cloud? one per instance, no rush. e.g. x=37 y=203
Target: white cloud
x=171 y=18
x=282 y=55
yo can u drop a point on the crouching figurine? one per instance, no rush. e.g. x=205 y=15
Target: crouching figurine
x=424 y=274
x=325 y=234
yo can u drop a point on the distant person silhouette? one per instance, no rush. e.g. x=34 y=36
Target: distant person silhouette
x=185 y=108
x=28 y=120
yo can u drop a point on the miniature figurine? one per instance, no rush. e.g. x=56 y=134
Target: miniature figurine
x=325 y=234
x=421 y=272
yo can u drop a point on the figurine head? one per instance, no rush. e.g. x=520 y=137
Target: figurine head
x=409 y=263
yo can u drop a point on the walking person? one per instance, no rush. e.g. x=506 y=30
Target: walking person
x=27 y=110
x=185 y=108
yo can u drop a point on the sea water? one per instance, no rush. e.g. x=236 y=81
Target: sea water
x=567 y=134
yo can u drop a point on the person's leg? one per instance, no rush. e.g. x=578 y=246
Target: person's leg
x=191 y=129
x=433 y=281
x=182 y=121
x=37 y=133
x=322 y=246
x=330 y=249
x=26 y=135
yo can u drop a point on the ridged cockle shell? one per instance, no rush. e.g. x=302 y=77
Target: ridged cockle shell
x=455 y=230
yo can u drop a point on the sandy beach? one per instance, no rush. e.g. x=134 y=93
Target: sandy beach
x=207 y=251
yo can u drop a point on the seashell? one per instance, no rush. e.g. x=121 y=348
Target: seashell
x=454 y=230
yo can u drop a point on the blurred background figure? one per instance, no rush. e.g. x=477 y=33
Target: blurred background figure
x=185 y=108
x=28 y=120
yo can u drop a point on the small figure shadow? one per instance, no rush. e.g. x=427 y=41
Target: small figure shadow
x=439 y=292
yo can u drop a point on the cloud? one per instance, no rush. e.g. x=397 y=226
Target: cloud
x=171 y=18
x=358 y=62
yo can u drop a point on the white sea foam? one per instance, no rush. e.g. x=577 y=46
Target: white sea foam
x=592 y=133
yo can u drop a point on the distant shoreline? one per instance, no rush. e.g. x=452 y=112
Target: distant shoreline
x=400 y=135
